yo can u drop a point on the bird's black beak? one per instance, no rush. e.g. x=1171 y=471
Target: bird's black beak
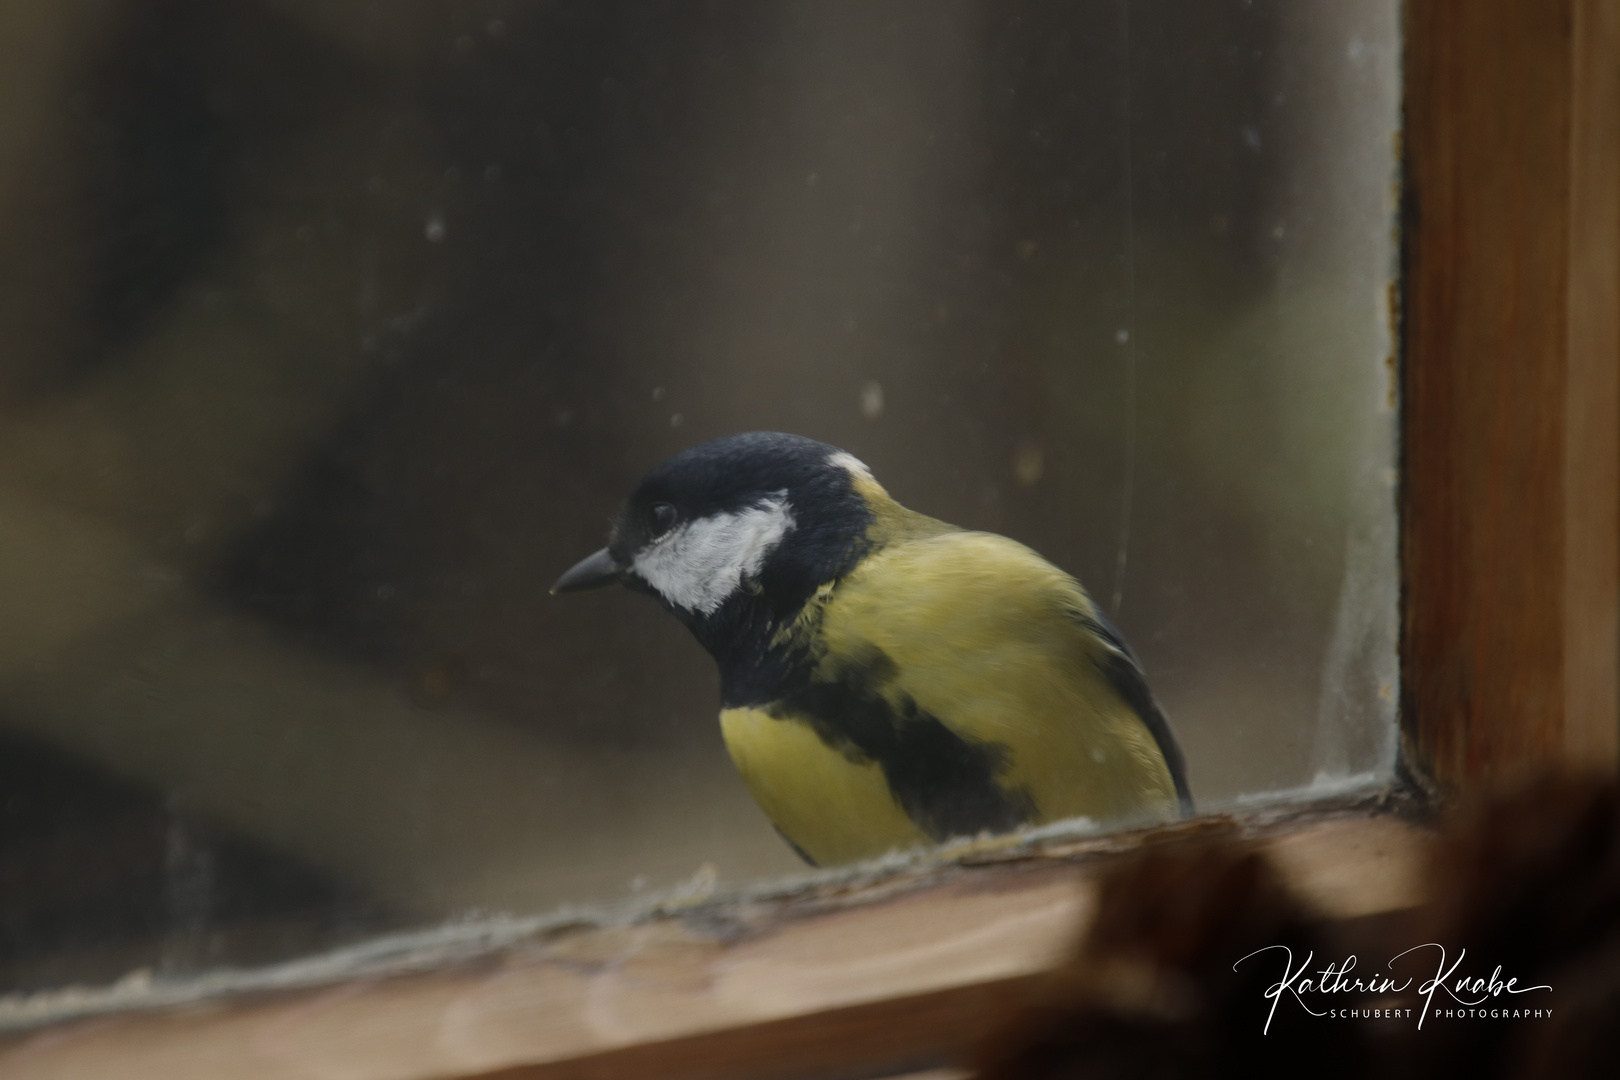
x=591 y=572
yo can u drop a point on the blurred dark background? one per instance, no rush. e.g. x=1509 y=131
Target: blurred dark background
x=331 y=332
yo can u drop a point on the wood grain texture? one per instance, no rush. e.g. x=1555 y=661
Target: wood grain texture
x=1592 y=446
x=1509 y=487
x=892 y=974
x=873 y=1041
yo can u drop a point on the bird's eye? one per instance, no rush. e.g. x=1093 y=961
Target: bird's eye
x=663 y=515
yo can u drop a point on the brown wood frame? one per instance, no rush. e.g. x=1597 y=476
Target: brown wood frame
x=1510 y=508
x=847 y=978
x=1510 y=545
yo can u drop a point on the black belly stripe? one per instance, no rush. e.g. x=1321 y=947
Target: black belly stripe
x=945 y=782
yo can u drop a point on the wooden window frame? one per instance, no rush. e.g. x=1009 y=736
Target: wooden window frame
x=1510 y=562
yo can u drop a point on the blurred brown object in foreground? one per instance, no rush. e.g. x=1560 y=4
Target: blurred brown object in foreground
x=1527 y=878
x=1153 y=992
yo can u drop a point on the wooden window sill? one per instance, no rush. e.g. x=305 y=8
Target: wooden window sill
x=877 y=976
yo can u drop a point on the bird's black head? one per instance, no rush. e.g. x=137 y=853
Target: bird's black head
x=734 y=536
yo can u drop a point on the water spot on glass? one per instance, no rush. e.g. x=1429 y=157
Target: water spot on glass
x=1251 y=137
x=1026 y=250
x=872 y=400
x=434 y=682
x=1028 y=464
x=306 y=233
x=492 y=172
x=1278 y=232
x=495 y=28
x=464 y=44
x=658 y=393
x=676 y=420
x=562 y=417
x=812 y=180
x=434 y=229
x=386 y=592
x=1121 y=336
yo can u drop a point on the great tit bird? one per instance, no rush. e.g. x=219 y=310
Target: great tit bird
x=886 y=679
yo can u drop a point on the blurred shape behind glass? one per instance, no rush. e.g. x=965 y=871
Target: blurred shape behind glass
x=331 y=332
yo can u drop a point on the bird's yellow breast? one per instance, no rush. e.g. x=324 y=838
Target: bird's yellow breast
x=986 y=636
x=832 y=809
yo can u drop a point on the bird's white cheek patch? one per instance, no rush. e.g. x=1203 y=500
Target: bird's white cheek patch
x=704 y=561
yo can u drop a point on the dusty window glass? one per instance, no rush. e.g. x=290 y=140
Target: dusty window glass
x=332 y=332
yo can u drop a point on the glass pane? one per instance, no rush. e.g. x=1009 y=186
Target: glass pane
x=333 y=332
